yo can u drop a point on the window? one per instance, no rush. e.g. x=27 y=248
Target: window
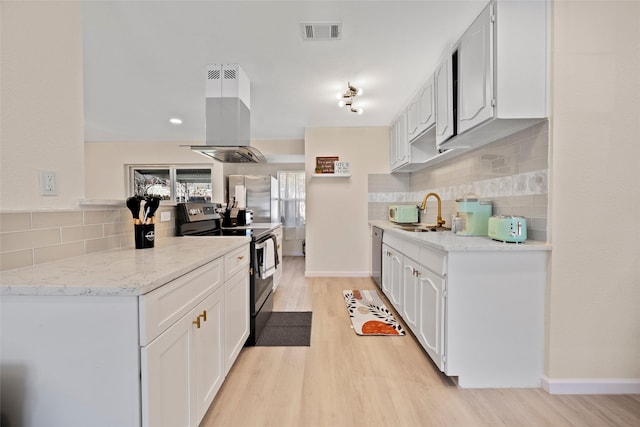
x=292 y=198
x=189 y=183
x=193 y=185
x=152 y=182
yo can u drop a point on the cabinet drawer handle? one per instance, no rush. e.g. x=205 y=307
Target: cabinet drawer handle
x=202 y=315
x=241 y=257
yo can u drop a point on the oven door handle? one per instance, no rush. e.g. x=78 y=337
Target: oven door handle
x=261 y=241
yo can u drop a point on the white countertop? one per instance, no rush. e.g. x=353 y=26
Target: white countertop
x=119 y=272
x=448 y=241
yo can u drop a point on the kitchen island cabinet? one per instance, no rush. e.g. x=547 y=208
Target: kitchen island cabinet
x=113 y=339
x=476 y=306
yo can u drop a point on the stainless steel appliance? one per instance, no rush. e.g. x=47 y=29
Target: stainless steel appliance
x=203 y=219
x=258 y=193
x=228 y=115
x=376 y=255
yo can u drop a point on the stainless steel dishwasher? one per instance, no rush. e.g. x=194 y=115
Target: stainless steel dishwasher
x=376 y=255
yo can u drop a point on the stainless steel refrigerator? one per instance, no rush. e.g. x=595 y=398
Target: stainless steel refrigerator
x=258 y=193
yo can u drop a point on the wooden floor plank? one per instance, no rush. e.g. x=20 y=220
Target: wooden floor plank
x=343 y=379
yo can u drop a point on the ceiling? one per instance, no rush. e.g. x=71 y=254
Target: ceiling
x=145 y=61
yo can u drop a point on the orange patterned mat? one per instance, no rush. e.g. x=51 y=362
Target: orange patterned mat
x=369 y=315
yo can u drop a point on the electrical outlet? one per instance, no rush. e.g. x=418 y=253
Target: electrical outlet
x=48 y=183
x=165 y=216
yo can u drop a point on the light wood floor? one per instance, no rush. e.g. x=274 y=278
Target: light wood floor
x=346 y=380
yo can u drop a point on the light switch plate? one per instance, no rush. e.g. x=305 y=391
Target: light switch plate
x=48 y=183
x=165 y=216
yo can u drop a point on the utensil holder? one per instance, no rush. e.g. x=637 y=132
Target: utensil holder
x=145 y=235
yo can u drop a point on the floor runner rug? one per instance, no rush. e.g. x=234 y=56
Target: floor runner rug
x=369 y=315
x=286 y=328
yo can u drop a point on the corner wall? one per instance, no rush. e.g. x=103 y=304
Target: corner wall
x=337 y=231
x=42 y=117
x=594 y=299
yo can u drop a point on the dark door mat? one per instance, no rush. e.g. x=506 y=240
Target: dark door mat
x=286 y=328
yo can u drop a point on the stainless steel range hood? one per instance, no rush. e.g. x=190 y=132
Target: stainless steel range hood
x=228 y=121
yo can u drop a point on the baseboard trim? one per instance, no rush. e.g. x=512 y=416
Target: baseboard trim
x=591 y=386
x=337 y=274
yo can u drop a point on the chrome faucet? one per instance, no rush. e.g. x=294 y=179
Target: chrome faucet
x=423 y=207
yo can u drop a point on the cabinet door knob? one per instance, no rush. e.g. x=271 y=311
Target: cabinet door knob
x=197 y=322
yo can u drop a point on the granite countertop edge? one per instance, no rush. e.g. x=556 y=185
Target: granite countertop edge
x=447 y=241
x=118 y=272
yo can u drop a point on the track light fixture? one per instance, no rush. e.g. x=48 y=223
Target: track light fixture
x=346 y=98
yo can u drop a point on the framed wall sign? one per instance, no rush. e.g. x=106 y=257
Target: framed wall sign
x=326 y=164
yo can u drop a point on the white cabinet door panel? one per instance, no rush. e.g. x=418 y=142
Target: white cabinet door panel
x=236 y=317
x=426 y=115
x=475 y=73
x=444 y=100
x=409 y=295
x=386 y=271
x=395 y=266
x=209 y=341
x=431 y=317
x=166 y=369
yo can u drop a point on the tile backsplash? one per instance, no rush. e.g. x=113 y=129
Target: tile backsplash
x=512 y=172
x=29 y=238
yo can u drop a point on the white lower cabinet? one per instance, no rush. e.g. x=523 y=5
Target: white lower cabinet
x=236 y=321
x=410 y=293
x=392 y=272
x=476 y=313
x=156 y=359
x=430 y=320
x=209 y=361
x=423 y=304
x=183 y=368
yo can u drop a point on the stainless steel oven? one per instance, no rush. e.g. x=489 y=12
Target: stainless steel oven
x=204 y=219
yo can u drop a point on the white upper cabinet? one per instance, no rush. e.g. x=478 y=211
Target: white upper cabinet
x=420 y=145
x=475 y=72
x=501 y=79
x=399 y=146
x=491 y=83
x=421 y=113
x=444 y=100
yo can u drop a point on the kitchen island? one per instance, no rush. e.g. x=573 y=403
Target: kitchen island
x=124 y=337
x=475 y=305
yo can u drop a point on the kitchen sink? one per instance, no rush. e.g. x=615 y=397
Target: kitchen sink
x=422 y=228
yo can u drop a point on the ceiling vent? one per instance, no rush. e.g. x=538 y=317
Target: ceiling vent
x=321 y=30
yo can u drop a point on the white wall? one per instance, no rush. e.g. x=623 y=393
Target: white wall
x=337 y=232
x=105 y=170
x=42 y=125
x=594 y=299
x=106 y=175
